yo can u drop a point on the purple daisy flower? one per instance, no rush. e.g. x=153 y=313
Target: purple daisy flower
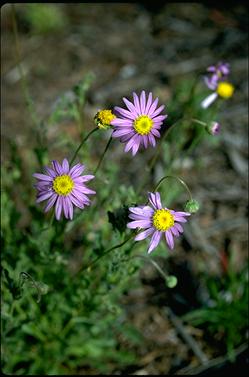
x=63 y=187
x=140 y=124
x=218 y=72
x=217 y=82
x=156 y=221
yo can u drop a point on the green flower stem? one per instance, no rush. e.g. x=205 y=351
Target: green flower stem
x=83 y=268
x=179 y=180
x=199 y=122
x=153 y=161
x=158 y=268
x=81 y=144
x=103 y=155
x=51 y=221
x=157 y=154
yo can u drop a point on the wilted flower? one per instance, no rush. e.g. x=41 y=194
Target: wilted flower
x=218 y=83
x=103 y=118
x=140 y=124
x=218 y=72
x=157 y=221
x=63 y=187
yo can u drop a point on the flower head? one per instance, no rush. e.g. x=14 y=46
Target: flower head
x=157 y=221
x=139 y=124
x=218 y=83
x=63 y=187
x=103 y=118
x=218 y=72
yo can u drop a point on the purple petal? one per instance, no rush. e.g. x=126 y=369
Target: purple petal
x=136 y=146
x=169 y=239
x=136 y=102
x=50 y=202
x=65 y=166
x=83 y=178
x=122 y=122
x=181 y=219
x=139 y=224
x=43 y=185
x=50 y=172
x=85 y=190
x=142 y=102
x=154 y=240
x=145 y=140
x=80 y=196
x=158 y=111
x=149 y=102
x=65 y=207
x=212 y=68
x=70 y=208
x=76 y=170
x=141 y=236
x=44 y=196
x=43 y=177
x=174 y=231
x=180 y=213
x=127 y=137
x=58 y=208
x=57 y=167
x=118 y=133
x=75 y=201
x=153 y=200
x=125 y=113
x=130 y=106
x=130 y=143
x=153 y=107
x=178 y=227
x=152 y=140
x=143 y=211
x=158 y=200
x=159 y=118
x=155 y=132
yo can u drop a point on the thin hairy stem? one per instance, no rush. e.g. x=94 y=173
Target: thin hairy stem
x=158 y=268
x=83 y=268
x=199 y=122
x=157 y=154
x=103 y=155
x=81 y=144
x=178 y=179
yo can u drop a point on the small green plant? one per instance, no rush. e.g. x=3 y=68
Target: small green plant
x=226 y=310
x=44 y=18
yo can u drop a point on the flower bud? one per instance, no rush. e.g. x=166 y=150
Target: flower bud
x=171 y=281
x=213 y=128
x=192 y=206
x=103 y=119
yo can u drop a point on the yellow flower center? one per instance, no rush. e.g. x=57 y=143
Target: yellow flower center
x=143 y=125
x=63 y=185
x=163 y=220
x=225 y=89
x=103 y=118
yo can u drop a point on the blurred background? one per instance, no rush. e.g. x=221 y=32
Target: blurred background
x=105 y=52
